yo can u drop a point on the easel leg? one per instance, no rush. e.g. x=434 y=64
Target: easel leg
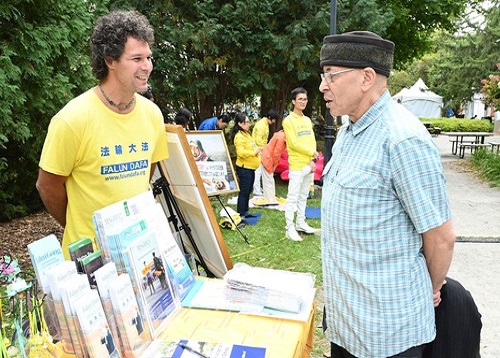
x=162 y=186
x=231 y=218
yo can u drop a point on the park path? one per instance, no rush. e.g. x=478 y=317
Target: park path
x=475 y=210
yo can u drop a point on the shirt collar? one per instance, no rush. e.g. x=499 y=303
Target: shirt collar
x=371 y=115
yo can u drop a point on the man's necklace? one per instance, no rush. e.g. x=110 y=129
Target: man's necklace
x=120 y=106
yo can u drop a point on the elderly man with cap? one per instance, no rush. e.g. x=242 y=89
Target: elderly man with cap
x=387 y=237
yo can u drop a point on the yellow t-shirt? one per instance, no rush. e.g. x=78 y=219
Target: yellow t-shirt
x=106 y=156
x=300 y=140
x=245 y=151
x=260 y=132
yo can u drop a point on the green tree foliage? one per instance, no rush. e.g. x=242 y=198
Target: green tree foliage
x=43 y=64
x=209 y=54
x=463 y=60
x=217 y=52
x=409 y=24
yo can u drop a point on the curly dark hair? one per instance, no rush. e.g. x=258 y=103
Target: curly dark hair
x=110 y=35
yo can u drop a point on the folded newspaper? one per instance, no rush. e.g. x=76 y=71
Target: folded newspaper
x=275 y=289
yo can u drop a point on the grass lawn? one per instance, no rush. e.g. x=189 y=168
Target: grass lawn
x=268 y=247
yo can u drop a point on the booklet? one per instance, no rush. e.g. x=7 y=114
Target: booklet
x=179 y=272
x=104 y=277
x=114 y=218
x=45 y=253
x=80 y=249
x=90 y=264
x=133 y=332
x=94 y=327
x=197 y=349
x=159 y=299
x=58 y=276
x=70 y=292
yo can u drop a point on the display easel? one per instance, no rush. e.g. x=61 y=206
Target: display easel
x=161 y=186
x=188 y=190
x=231 y=218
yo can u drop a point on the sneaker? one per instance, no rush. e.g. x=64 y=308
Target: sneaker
x=264 y=202
x=304 y=227
x=257 y=193
x=260 y=202
x=281 y=200
x=293 y=235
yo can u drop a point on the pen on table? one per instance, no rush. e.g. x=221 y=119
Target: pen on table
x=191 y=350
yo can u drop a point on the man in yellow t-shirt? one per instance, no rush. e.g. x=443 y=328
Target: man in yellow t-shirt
x=103 y=146
x=260 y=135
x=302 y=155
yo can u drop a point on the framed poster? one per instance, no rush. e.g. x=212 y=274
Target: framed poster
x=189 y=197
x=213 y=161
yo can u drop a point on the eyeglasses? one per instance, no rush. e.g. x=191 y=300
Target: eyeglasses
x=328 y=76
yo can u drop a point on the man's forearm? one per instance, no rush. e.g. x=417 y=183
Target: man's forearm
x=438 y=251
x=53 y=194
x=56 y=206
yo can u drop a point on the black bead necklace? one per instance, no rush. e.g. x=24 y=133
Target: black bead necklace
x=120 y=106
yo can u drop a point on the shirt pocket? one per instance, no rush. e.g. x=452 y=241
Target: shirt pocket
x=350 y=178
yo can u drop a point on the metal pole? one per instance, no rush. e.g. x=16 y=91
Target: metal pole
x=333 y=17
x=330 y=129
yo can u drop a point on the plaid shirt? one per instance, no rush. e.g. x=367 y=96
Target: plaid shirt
x=383 y=188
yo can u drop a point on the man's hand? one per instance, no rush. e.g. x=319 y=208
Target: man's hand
x=437 y=295
x=438 y=252
x=312 y=165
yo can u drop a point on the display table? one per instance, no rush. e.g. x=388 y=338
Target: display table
x=282 y=338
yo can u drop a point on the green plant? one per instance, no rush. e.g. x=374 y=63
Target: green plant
x=460 y=125
x=487 y=165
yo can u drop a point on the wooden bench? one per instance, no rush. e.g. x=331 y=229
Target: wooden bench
x=473 y=147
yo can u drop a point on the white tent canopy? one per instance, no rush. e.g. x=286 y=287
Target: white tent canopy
x=420 y=100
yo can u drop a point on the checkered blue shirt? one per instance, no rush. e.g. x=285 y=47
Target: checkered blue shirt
x=383 y=188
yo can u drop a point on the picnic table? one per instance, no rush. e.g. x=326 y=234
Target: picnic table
x=462 y=140
x=495 y=143
x=434 y=131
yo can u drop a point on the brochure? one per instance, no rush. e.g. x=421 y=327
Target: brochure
x=133 y=332
x=197 y=349
x=158 y=300
x=178 y=269
x=95 y=330
x=113 y=219
x=70 y=292
x=104 y=277
x=80 y=249
x=90 y=264
x=58 y=275
x=45 y=253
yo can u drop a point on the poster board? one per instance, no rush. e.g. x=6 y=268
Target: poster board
x=213 y=161
x=191 y=197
